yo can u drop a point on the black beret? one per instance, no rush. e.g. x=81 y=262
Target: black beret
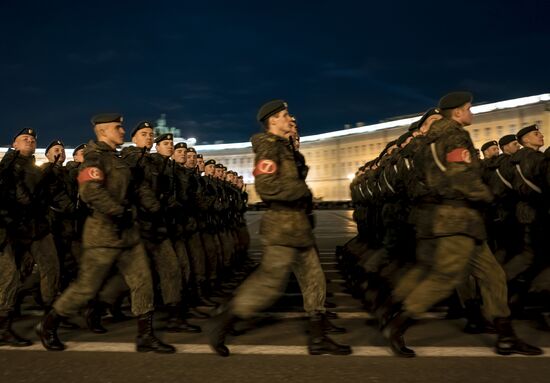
x=219 y=166
x=224 y=168
x=430 y=112
x=210 y=162
x=141 y=125
x=505 y=140
x=180 y=145
x=488 y=144
x=414 y=126
x=106 y=118
x=164 y=137
x=527 y=129
x=81 y=146
x=455 y=100
x=192 y=150
x=270 y=108
x=240 y=177
x=52 y=144
x=199 y=155
x=402 y=138
x=28 y=131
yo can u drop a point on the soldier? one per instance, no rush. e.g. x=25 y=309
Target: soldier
x=9 y=267
x=490 y=149
x=287 y=239
x=30 y=234
x=180 y=153
x=110 y=238
x=451 y=234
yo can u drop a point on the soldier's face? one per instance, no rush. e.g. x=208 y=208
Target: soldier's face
x=209 y=170
x=533 y=139
x=179 y=155
x=112 y=133
x=191 y=160
x=218 y=173
x=144 y=138
x=230 y=177
x=239 y=182
x=490 y=152
x=26 y=144
x=280 y=124
x=79 y=156
x=56 y=150
x=511 y=147
x=165 y=148
x=464 y=115
x=200 y=164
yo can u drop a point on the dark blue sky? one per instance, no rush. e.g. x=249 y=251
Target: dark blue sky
x=210 y=66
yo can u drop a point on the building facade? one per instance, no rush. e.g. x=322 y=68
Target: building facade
x=334 y=157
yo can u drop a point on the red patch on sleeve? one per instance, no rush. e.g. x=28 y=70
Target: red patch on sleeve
x=90 y=174
x=459 y=155
x=264 y=167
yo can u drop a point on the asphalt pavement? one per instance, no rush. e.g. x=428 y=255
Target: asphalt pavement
x=273 y=349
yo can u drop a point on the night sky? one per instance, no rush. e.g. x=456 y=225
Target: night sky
x=210 y=66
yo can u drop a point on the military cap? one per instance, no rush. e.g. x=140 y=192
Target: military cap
x=141 y=125
x=52 y=144
x=414 y=126
x=192 y=150
x=210 y=162
x=240 y=177
x=527 y=129
x=455 y=100
x=430 y=112
x=402 y=138
x=81 y=146
x=164 y=137
x=224 y=167
x=219 y=166
x=505 y=140
x=199 y=155
x=105 y=118
x=180 y=145
x=488 y=144
x=27 y=131
x=270 y=108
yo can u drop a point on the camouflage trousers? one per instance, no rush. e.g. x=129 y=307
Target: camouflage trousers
x=211 y=249
x=267 y=283
x=95 y=266
x=183 y=259
x=44 y=254
x=197 y=258
x=9 y=280
x=442 y=265
x=165 y=262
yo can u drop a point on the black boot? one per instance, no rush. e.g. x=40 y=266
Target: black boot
x=46 y=330
x=116 y=311
x=177 y=323
x=146 y=340
x=93 y=317
x=508 y=343
x=331 y=314
x=202 y=296
x=221 y=326
x=394 y=331
x=319 y=343
x=475 y=322
x=7 y=336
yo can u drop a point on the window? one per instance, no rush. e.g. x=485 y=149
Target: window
x=363 y=148
x=499 y=131
x=512 y=128
x=475 y=134
x=488 y=133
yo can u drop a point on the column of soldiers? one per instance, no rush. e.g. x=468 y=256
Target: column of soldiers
x=436 y=223
x=165 y=229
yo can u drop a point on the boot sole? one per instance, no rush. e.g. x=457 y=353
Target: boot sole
x=330 y=353
x=148 y=349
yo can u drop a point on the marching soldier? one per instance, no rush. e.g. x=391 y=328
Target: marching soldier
x=287 y=239
x=110 y=238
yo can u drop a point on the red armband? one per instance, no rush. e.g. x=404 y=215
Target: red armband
x=90 y=174
x=459 y=155
x=265 y=167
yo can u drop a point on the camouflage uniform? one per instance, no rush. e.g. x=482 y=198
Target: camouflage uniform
x=110 y=234
x=287 y=235
x=450 y=229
